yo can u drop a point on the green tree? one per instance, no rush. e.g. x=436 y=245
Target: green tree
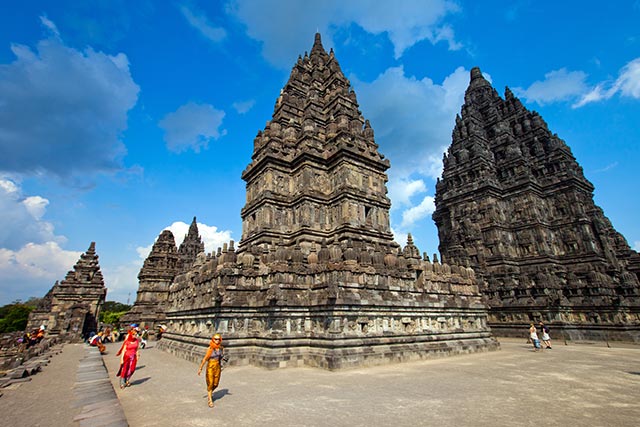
x=14 y=316
x=112 y=311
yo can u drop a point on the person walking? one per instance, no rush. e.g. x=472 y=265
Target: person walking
x=144 y=337
x=129 y=355
x=533 y=335
x=213 y=358
x=546 y=339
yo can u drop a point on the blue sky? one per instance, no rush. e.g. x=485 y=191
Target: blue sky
x=119 y=119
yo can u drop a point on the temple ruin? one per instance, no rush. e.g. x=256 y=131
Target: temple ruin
x=317 y=279
x=160 y=267
x=514 y=204
x=70 y=309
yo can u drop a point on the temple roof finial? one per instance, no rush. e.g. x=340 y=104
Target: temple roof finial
x=317 y=46
x=476 y=73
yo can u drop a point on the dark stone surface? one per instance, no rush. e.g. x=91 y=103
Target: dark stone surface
x=317 y=279
x=513 y=203
x=71 y=308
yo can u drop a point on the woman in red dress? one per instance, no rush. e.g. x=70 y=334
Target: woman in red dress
x=129 y=355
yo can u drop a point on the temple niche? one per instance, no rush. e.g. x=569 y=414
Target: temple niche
x=513 y=204
x=317 y=279
x=160 y=268
x=71 y=308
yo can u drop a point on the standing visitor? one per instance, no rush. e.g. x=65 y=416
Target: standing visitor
x=129 y=356
x=533 y=335
x=546 y=339
x=144 y=337
x=214 y=356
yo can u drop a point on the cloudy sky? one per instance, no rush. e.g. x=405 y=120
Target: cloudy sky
x=119 y=118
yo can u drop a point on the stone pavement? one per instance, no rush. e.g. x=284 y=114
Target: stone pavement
x=576 y=384
x=72 y=390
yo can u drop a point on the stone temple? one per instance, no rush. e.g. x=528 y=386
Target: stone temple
x=514 y=204
x=70 y=309
x=317 y=279
x=162 y=265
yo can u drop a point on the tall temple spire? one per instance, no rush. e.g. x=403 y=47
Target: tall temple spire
x=158 y=271
x=310 y=162
x=73 y=305
x=514 y=203
x=191 y=246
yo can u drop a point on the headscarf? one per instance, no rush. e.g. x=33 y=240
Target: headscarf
x=213 y=344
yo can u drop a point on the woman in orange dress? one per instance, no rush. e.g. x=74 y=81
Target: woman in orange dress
x=129 y=355
x=214 y=356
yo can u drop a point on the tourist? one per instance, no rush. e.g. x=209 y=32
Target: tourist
x=106 y=335
x=533 y=335
x=96 y=341
x=144 y=337
x=546 y=339
x=214 y=356
x=129 y=356
x=40 y=334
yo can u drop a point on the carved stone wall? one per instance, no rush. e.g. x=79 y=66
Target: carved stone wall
x=334 y=308
x=317 y=279
x=513 y=204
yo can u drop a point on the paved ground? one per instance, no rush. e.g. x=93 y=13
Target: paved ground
x=73 y=389
x=577 y=385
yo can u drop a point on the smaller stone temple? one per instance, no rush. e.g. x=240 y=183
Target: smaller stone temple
x=513 y=204
x=71 y=308
x=162 y=265
x=317 y=279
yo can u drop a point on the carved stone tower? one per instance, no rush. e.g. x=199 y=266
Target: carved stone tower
x=514 y=204
x=190 y=247
x=74 y=304
x=159 y=269
x=316 y=173
x=318 y=279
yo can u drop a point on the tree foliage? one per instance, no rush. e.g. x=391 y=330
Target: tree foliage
x=14 y=316
x=112 y=311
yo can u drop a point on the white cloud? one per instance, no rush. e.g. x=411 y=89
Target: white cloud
x=198 y=20
x=399 y=236
x=598 y=93
x=628 y=84
x=211 y=237
x=287 y=30
x=412 y=118
x=558 y=85
x=59 y=103
x=607 y=168
x=243 y=107
x=36 y=206
x=31 y=258
x=33 y=269
x=122 y=281
x=419 y=212
x=636 y=246
x=192 y=126
x=21 y=218
x=50 y=25
x=564 y=85
x=401 y=190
